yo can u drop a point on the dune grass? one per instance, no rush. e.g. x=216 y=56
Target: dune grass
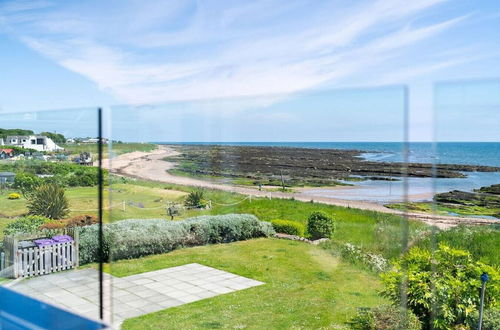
x=305 y=287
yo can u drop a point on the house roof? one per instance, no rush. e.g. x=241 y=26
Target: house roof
x=7 y=151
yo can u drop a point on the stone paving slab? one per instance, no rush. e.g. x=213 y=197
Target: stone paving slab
x=134 y=295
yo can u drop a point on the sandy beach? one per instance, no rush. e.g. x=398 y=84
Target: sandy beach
x=151 y=166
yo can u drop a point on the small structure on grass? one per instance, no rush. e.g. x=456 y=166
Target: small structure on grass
x=6 y=178
x=35 y=255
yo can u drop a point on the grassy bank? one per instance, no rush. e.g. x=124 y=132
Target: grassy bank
x=305 y=287
x=375 y=232
x=117 y=148
x=446 y=209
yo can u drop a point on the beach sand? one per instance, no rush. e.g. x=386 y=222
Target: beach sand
x=151 y=166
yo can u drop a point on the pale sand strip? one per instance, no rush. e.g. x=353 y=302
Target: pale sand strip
x=151 y=166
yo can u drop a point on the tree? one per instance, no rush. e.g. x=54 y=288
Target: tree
x=441 y=287
x=48 y=200
x=56 y=137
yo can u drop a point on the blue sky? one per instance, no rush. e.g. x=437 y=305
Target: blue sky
x=66 y=54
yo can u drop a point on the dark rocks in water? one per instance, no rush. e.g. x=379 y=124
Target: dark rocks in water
x=304 y=165
x=493 y=189
x=476 y=198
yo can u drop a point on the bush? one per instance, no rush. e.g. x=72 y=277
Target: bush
x=136 y=238
x=442 y=288
x=54 y=224
x=491 y=319
x=320 y=225
x=14 y=196
x=76 y=221
x=25 y=225
x=288 y=227
x=26 y=182
x=385 y=317
x=355 y=254
x=49 y=201
x=81 y=220
x=195 y=199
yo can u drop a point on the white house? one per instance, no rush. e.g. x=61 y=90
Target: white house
x=37 y=142
x=2 y=142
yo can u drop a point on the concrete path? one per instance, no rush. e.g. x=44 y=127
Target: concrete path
x=134 y=295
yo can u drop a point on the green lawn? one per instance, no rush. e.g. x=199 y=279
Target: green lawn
x=372 y=231
x=306 y=287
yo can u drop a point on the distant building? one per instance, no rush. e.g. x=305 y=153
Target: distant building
x=95 y=140
x=2 y=142
x=70 y=141
x=37 y=142
x=6 y=153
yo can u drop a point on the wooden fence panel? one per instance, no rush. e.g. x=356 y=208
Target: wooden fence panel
x=45 y=260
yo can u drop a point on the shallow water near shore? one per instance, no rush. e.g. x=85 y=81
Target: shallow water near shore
x=419 y=189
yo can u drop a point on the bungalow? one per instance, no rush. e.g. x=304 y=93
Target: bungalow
x=37 y=142
x=6 y=153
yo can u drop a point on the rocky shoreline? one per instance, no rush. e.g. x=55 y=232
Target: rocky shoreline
x=303 y=166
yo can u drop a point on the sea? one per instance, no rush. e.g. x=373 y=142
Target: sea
x=416 y=189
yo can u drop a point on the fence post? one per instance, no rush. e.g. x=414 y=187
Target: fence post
x=76 y=238
x=15 y=262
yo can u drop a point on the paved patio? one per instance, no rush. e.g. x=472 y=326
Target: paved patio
x=133 y=295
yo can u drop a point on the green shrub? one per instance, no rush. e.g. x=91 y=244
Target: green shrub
x=442 y=287
x=49 y=201
x=136 y=238
x=385 y=318
x=491 y=319
x=320 y=225
x=195 y=199
x=26 y=182
x=25 y=225
x=288 y=227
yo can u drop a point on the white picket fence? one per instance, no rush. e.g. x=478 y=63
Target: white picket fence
x=36 y=261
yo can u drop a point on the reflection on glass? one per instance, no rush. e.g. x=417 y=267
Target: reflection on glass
x=49 y=207
x=186 y=175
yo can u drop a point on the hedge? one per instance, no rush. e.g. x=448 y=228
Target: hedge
x=288 y=227
x=129 y=239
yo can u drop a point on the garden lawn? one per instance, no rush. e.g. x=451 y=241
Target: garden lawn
x=305 y=287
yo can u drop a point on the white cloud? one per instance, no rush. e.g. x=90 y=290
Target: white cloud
x=149 y=52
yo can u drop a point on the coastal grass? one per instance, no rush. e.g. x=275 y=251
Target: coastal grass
x=446 y=209
x=305 y=287
x=483 y=242
x=117 y=148
x=374 y=232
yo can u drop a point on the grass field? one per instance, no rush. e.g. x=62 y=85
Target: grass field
x=306 y=287
x=117 y=148
x=375 y=232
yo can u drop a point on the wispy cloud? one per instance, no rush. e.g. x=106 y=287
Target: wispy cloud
x=146 y=52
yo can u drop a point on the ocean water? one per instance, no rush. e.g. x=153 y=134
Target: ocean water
x=419 y=189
